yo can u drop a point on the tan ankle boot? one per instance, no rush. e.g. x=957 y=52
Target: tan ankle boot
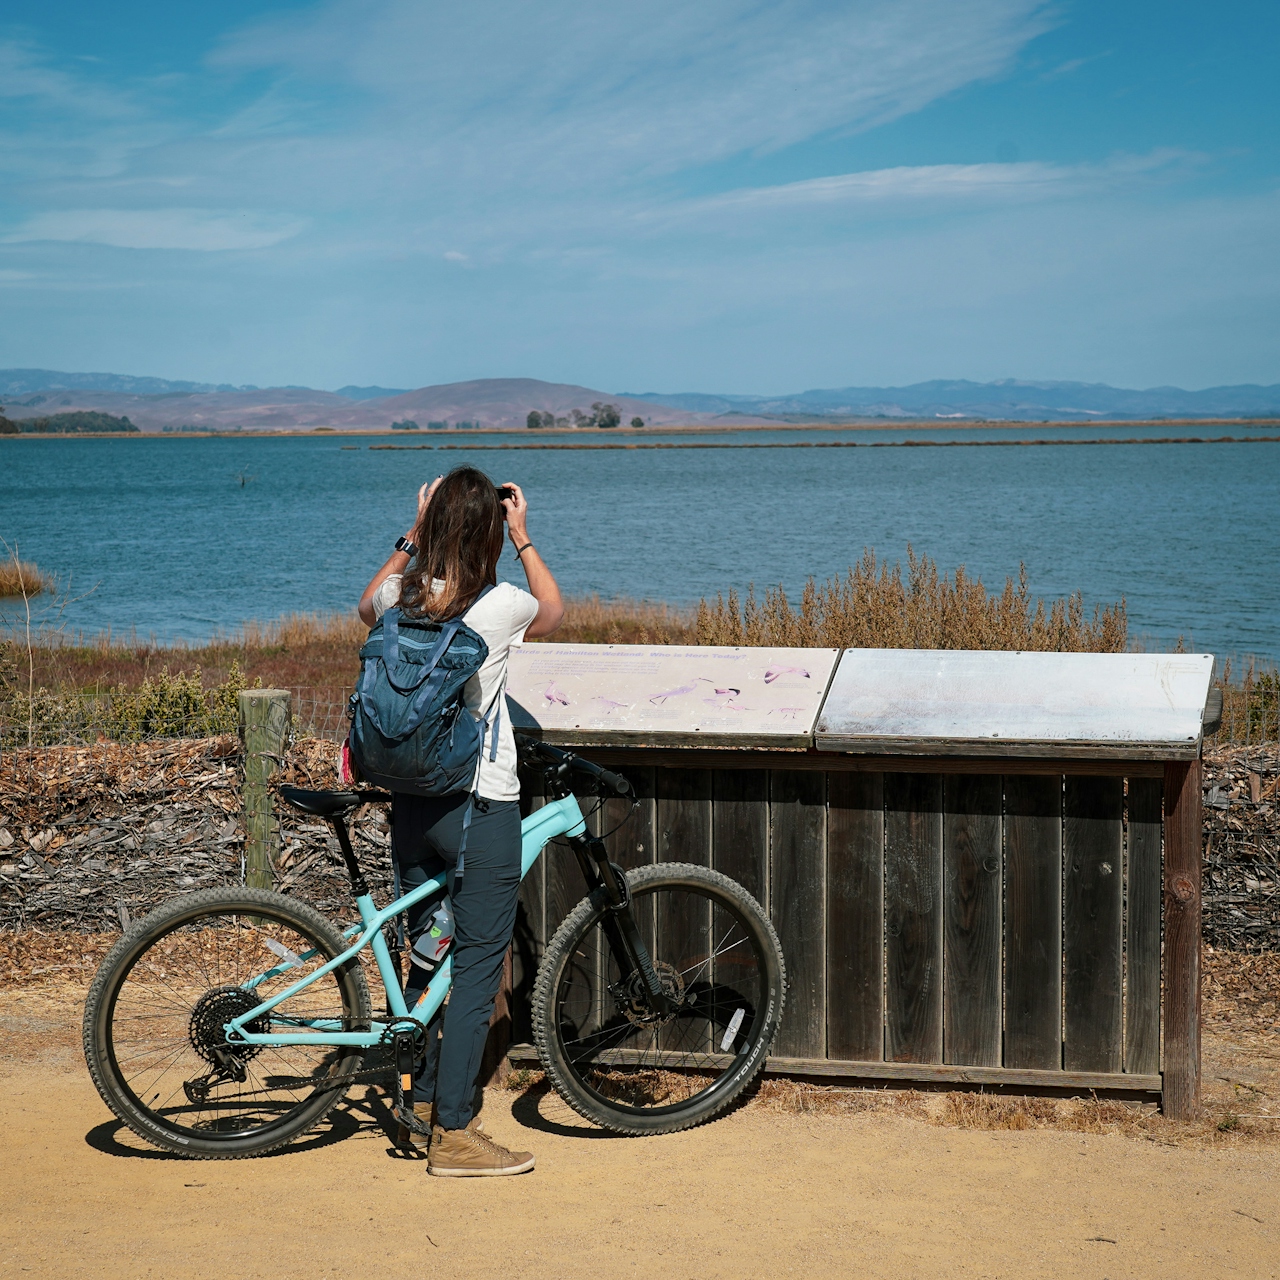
x=424 y=1113
x=471 y=1153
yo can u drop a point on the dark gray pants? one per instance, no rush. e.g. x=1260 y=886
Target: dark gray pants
x=425 y=835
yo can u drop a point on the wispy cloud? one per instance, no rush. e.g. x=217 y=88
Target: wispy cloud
x=490 y=129
x=206 y=230
x=417 y=189
x=937 y=184
x=566 y=93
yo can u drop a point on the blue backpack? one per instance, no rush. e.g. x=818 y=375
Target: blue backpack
x=410 y=729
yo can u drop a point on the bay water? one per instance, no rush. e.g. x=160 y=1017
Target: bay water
x=181 y=538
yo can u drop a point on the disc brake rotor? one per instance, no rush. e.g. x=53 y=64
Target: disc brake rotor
x=632 y=996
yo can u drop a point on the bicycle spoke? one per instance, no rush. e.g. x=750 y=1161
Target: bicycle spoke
x=628 y=1054
x=168 y=1045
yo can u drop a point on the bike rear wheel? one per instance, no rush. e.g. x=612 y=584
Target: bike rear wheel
x=153 y=1023
x=719 y=962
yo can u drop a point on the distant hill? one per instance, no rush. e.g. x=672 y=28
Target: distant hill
x=369 y=393
x=490 y=402
x=157 y=404
x=1008 y=399
x=505 y=402
x=25 y=382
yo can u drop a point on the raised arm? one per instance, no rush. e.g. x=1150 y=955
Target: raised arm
x=542 y=586
x=398 y=561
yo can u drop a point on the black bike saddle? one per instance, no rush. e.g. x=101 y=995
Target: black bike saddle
x=328 y=804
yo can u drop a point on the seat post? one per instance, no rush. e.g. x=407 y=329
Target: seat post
x=359 y=885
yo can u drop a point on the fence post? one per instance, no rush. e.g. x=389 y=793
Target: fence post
x=1183 y=835
x=264 y=729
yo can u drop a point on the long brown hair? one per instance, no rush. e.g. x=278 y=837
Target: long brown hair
x=459 y=540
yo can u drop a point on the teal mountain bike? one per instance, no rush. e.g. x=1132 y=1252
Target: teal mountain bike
x=231 y=1021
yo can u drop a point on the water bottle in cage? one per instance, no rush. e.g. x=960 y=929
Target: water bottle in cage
x=430 y=945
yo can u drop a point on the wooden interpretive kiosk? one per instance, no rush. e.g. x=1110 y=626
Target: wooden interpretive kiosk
x=984 y=867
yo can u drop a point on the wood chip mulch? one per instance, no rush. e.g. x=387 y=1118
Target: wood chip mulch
x=1242 y=848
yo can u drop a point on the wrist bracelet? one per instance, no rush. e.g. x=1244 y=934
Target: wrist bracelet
x=403 y=544
x=521 y=550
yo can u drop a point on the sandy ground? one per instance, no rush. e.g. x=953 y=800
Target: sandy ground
x=761 y=1192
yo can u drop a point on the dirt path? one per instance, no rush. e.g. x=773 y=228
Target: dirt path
x=760 y=1192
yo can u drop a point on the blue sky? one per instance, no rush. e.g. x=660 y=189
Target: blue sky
x=726 y=196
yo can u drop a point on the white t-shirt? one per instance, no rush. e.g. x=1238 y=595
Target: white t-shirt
x=500 y=619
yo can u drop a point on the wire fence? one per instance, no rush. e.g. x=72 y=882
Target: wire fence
x=1250 y=708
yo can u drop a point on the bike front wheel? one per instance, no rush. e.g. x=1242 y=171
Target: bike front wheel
x=720 y=965
x=154 y=1036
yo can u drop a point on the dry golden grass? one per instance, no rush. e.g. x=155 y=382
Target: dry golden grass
x=21 y=577
x=590 y=620
x=875 y=606
x=313 y=651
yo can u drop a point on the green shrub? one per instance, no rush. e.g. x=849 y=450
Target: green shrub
x=163 y=706
x=173 y=707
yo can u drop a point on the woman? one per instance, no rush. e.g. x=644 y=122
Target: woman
x=438 y=570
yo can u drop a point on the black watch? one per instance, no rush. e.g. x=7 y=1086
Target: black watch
x=403 y=544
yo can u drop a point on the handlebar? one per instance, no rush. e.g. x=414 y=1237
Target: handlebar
x=566 y=761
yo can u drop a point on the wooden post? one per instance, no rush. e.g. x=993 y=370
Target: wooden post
x=1182 y=837
x=264 y=729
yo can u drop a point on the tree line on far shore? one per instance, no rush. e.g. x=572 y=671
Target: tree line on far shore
x=601 y=415
x=83 y=422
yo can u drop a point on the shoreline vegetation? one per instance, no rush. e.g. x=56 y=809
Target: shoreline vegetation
x=59 y=688
x=19 y=578
x=23 y=430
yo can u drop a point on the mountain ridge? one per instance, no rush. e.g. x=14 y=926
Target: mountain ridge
x=158 y=404
x=1006 y=399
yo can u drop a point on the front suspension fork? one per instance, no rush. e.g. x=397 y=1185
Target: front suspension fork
x=608 y=885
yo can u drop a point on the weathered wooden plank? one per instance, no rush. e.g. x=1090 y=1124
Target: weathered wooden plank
x=855 y=915
x=683 y=804
x=1182 y=835
x=913 y=917
x=1033 y=922
x=628 y=834
x=564 y=886
x=797 y=876
x=628 y=831
x=683 y=923
x=836 y=761
x=972 y=904
x=740 y=829
x=739 y=849
x=1092 y=906
x=1145 y=884
x=925 y=1073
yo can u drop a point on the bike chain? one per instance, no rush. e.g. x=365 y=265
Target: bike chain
x=372 y=1075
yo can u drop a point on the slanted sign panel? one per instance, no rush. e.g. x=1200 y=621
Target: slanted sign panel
x=660 y=695
x=958 y=702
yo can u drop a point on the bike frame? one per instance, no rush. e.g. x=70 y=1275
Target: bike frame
x=559 y=817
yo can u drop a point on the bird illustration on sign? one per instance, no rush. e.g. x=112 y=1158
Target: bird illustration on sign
x=774 y=672
x=609 y=705
x=660 y=698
